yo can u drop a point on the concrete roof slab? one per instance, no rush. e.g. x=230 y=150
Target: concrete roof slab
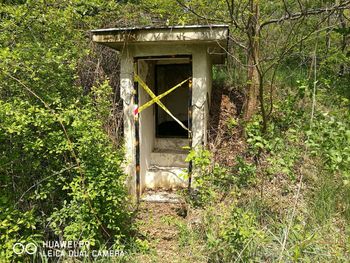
x=118 y=38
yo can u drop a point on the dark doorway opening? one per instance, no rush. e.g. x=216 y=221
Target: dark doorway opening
x=167 y=76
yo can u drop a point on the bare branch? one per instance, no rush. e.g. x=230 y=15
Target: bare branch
x=287 y=48
x=301 y=6
x=230 y=8
x=298 y=15
x=238 y=43
x=199 y=15
x=243 y=17
x=286 y=7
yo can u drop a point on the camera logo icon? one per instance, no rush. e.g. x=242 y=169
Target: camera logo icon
x=29 y=248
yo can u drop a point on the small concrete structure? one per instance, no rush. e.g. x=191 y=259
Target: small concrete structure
x=163 y=57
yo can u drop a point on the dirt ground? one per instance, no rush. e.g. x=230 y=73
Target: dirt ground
x=160 y=224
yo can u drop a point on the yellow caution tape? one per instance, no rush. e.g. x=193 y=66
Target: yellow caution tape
x=156 y=99
x=151 y=102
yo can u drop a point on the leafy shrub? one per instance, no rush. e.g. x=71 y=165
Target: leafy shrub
x=255 y=139
x=231 y=233
x=245 y=172
x=16 y=226
x=60 y=174
x=70 y=175
x=209 y=180
x=330 y=140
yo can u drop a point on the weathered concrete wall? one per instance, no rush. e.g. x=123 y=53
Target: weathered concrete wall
x=126 y=93
x=199 y=97
x=147 y=123
x=186 y=35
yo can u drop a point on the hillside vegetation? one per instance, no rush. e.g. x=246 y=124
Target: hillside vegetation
x=273 y=184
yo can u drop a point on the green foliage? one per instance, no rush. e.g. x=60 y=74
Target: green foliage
x=76 y=177
x=210 y=180
x=255 y=138
x=187 y=236
x=296 y=144
x=231 y=233
x=15 y=227
x=231 y=124
x=330 y=140
x=61 y=176
x=245 y=172
x=325 y=199
x=220 y=76
x=306 y=243
x=165 y=12
x=335 y=73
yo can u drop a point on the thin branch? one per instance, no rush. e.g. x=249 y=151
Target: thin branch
x=230 y=8
x=199 y=15
x=271 y=91
x=238 y=43
x=42 y=180
x=314 y=86
x=288 y=49
x=300 y=6
x=298 y=15
x=286 y=7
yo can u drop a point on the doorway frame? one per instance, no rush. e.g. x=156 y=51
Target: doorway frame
x=137 y=119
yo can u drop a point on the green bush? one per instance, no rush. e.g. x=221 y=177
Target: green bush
x=16 y=226
x=229 y=231
x=232 y=234
x=69 y=178
x=61 y=177
x=210 y=180
x=330 y=140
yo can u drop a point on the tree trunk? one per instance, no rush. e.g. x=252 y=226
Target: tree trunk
x=252 y=89
x=343 y=41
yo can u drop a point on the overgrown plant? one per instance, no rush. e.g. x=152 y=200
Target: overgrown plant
x=210 y=180
x=232 y=234
x=77 y=179
x=61 y=176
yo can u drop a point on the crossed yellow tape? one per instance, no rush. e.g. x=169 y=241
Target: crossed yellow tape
x=156 y=99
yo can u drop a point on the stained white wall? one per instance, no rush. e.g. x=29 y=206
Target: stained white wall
x=126 y=93
x=147 y=119
x=200 y=88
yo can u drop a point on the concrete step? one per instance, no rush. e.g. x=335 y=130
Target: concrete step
x=169 y=158
x=170 y=143
x=167 y=178
x=161 y=196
